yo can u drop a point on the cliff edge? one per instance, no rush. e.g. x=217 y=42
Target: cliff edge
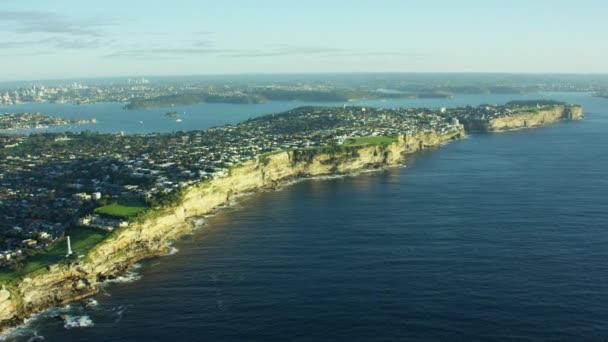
x=70 y=281
x=529 y=117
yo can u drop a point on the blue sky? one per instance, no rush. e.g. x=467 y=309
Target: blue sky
x=42 y=39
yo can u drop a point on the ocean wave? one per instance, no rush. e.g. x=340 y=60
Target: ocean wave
x=197 y=222
x=119 y=312
x=128 y=277
x=28 y=330
x=35 y=337
x=90 y=303
x=232 y=203
x=72 y=322
x=21 y=334
x=172 y=251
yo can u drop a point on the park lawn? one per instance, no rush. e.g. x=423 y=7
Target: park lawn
x=378 y=140
x=82 y=239
x=117 y=210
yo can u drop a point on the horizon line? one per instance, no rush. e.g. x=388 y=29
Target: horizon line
x=311 y=73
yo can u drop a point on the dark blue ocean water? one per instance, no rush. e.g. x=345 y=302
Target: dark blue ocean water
x=496 y=237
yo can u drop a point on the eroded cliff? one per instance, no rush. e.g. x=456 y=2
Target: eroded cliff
x=530 y=118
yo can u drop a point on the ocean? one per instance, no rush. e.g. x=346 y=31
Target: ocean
x=495 y=237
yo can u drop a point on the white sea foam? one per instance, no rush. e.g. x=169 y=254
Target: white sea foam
x=198 y=222
x=27 y=331
x=73 y=316
x=21 y=333
x=129 y=277
x=172 y=251
x=91 y=303
x=72 y=322
x=35 y=337
x=119 y=313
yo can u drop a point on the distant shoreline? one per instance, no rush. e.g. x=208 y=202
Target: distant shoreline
x=274 y=96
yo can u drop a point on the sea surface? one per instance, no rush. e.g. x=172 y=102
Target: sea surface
x=497 y=237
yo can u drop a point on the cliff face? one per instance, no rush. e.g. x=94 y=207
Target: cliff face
x=64 y=283
x=524 y=119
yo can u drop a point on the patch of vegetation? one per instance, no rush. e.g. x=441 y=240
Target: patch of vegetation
x=371 y=141
x=82 y=240
x=162 y=204
x=350 y=148
x=264 y=158
x=123 y=209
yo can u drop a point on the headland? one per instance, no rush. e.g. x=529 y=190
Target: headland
x=360 y=145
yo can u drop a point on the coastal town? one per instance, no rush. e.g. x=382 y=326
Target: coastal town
x=75 y=92
x=51 y=183
x=17 y=121
x=142 y=94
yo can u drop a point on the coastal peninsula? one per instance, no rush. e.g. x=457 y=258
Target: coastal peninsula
x=36 y=120
x=143 y=196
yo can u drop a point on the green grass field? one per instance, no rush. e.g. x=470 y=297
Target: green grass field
x=82 y=239
x=379 y=140
x=117 y=210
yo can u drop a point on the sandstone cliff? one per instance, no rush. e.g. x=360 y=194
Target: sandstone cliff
x=524 y=119
x=63 y=283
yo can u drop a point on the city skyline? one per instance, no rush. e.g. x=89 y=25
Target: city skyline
x=64 y=39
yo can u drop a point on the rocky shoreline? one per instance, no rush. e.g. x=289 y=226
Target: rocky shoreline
x=524 y=119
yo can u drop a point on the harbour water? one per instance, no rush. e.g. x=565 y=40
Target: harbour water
x=495 y=237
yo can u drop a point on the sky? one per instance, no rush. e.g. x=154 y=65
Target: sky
x=43 y=39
